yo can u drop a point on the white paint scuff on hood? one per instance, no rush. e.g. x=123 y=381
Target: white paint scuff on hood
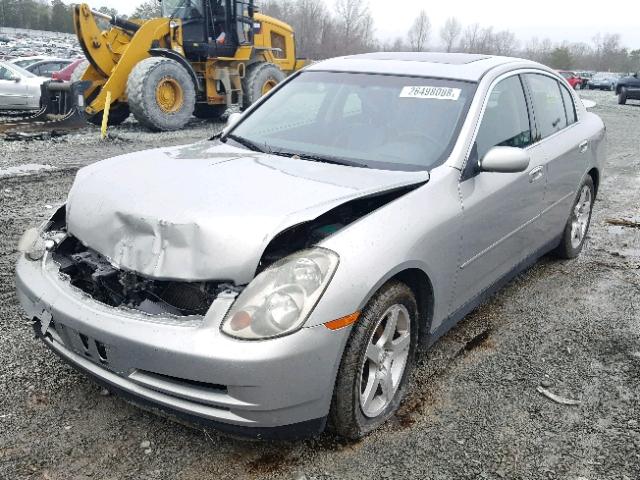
x=207 y=211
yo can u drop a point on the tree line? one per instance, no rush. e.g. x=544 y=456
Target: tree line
x=56 y=16
x=348 y=28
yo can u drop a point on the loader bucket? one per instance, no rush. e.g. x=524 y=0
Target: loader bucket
x=63 y=111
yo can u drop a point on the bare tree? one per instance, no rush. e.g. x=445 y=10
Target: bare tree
x=355 y=25
x=450 y=32
x=419 y=33
x=470 y=40
x=504 y=43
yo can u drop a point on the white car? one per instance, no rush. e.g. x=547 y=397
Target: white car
x=19 y=89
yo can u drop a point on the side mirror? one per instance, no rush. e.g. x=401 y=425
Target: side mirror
x=233 y=119
x=505 y=160
x=16 y=78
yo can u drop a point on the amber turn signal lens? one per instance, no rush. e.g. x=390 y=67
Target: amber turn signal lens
x=240 y=320
x=342 y=322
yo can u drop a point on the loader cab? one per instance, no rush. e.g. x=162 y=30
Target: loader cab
x=212 y=28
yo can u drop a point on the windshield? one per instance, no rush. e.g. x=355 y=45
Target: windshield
x=377 y=121
x=184 y=9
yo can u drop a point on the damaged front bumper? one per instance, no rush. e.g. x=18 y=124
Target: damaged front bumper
x=280 y=387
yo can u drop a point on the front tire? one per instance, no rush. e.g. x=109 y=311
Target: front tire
x=161 y=94
x=622 y=96
x=376 y=363
x=575 y=231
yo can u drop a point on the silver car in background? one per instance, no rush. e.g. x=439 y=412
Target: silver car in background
x=285 y=273
x=19 y=89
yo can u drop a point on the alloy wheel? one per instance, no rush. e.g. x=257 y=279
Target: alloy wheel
x=385 y=360
x=580 y=217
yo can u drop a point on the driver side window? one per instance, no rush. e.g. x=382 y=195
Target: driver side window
x=506 y=119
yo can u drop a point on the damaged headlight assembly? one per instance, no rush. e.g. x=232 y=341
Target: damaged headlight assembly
x=279 y=300
x=34 y=242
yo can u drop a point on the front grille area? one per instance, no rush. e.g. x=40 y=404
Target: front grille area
x=92 y=273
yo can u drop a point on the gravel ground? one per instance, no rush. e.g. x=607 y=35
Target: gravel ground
x=472 y=411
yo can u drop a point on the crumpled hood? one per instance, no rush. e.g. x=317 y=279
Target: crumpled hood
x=207 y=211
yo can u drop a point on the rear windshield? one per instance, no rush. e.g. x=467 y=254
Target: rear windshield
x=377 y=121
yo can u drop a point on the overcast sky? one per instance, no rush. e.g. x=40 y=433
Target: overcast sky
x=556 y=19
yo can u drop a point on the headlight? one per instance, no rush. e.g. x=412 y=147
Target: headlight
x=32 y=244
x=280 y=299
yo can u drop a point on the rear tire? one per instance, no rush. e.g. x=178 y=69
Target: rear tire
x=260 y=78
x=577 y=227
x=161 y=94
x=209 y=112
x=354 y=411
x=622 y=96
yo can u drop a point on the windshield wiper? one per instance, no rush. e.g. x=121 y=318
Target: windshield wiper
x=321 y=158
x=245 y=143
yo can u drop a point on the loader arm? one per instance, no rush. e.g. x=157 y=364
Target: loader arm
x=113 y=53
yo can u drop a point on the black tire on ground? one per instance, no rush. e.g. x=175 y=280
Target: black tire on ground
x=145 y=82
x=259 y=78
x=622 y=96
x=566 y=250
x=118 y=113
x=346 y=416
x=209 y=112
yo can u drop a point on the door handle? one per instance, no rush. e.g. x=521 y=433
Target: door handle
x=583 y=146
x=536 y=174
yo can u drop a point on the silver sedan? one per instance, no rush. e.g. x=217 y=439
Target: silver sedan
x=284 y=274
x=19 y=89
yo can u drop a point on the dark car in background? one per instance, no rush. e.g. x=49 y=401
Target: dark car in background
x=628 y=88
x=46 y=68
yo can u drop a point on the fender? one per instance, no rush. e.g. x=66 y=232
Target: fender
x=173 y=55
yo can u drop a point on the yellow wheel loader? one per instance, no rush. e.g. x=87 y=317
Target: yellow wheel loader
x=199 y=58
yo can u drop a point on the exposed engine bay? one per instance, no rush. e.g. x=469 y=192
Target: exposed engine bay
x=92 y=273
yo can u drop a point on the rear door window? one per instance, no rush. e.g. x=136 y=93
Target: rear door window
x=548 y=106
x=569 y=106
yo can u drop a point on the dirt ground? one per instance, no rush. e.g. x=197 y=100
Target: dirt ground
x=473 y=410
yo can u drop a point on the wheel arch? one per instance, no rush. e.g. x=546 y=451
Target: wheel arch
x=417 y=279
x=165 y=52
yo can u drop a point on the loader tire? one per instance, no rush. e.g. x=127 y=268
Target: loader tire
x=209 y=112
x=161 y=94
x=118 y=113
x=260 y=78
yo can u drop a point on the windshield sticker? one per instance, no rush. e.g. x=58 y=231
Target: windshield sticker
x=436 y=93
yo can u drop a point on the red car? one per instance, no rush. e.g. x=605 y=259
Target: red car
x=574 y=80
x=65 y=74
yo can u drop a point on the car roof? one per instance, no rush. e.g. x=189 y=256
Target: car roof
x=460 y=66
